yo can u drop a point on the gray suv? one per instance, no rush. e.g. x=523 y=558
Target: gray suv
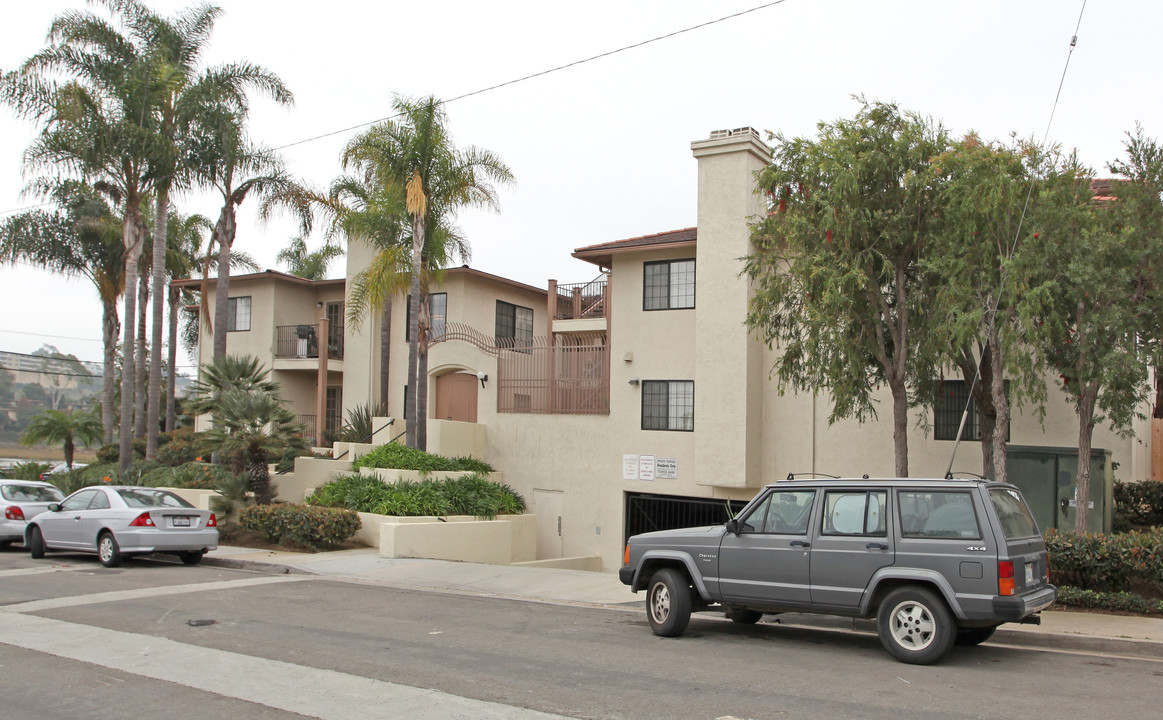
x=936 y=562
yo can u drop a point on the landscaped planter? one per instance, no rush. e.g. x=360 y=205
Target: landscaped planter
x=392 y=475
x=506 y=540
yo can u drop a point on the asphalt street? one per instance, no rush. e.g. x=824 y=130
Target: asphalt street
x=77 y=640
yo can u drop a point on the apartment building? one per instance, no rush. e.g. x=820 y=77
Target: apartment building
x=637 y=399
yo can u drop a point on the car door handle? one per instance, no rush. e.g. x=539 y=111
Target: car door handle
x=800 y=543
x=876 y=546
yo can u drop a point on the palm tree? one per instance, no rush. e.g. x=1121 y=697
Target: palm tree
x=228 y=372
x=94 y=90
x=309 y=264
x=184 y=238
x=414 y=154
x=188 y=99
x=82 y=239
x=65 y=427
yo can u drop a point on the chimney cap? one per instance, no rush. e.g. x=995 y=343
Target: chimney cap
x=745 y=130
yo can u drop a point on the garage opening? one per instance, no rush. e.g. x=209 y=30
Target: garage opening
x=647 y=513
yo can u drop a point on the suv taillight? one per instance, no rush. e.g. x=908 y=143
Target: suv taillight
x=142 y=520
x=1005 y=577
x=13 y=513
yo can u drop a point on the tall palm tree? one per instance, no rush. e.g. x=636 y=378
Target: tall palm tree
x=63 y=426
x=189 y=97
x=305 y=263
x=93 y=89
x=183 y=256
x=415 y=154
x=82 y=239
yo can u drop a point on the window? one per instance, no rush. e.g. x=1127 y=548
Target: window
x=855 y=513
x=514 y=322
x=238 y=314
x=1011 y=510
x=937 y=514
x=668 y=405
x=668 y=285
x=79 y=501
x=952 y=397
x=437 y=312
x=784 y=513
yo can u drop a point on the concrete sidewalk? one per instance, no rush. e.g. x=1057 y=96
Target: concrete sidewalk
x=1137 y=637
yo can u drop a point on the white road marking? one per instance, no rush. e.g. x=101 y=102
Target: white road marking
x=323 y=694
x=116 y=595
x=41 y=570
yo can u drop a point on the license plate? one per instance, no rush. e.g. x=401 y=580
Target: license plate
x=1029 y=574
x=185 y=522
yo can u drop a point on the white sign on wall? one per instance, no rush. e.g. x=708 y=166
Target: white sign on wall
x=645 y=467
x=666 y=469
x=629 y=467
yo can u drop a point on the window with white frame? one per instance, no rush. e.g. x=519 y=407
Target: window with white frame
x=668 y=405
x=668 y=285
x=238 y=314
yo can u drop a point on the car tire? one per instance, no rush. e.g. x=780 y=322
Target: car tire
x=742 y=616
x=35 y=542
x=107 y=550
x=192 y=557
x=915 y=626
x=668 y=603
x=5 y=543
x=974 y=636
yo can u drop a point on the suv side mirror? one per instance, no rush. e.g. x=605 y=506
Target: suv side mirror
x=733 y=526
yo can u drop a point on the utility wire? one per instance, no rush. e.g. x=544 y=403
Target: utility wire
x=1013 y=247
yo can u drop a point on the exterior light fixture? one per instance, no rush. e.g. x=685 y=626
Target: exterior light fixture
x=482 y=376
x=633 y=381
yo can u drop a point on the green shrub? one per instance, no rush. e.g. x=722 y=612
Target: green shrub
x=1102 y=600
x=400 y=457
x=1106 y=562
x=475 y=495
x=29 y=470
x=112 y=452
x=315 y=527
x=179 y=447
x=197 y=475
x=1139 y=503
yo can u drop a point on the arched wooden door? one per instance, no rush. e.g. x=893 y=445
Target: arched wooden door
x=456 y=397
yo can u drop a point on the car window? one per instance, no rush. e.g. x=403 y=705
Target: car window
x=783 y=513
x=78 y=501
x=30 y=493
x=148 y=497
x=100 y=501
x=938 y=514
x=849 y=512
x=1015 y=518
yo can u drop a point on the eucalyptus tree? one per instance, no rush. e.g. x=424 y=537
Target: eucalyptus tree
x=414 y=154
x=1101 y=329
x=839 y=287
x=94 y=92
x=82 y=238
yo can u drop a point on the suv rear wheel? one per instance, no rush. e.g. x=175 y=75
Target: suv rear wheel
x=668 y=603
x=974 y=636
x=915 y=626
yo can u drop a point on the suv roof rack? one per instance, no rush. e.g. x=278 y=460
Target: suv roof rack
x=792 y=476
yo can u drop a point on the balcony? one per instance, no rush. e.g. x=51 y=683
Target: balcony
x=580 y=308
x=302 y=341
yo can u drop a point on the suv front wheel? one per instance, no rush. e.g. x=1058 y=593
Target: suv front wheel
x=915 y=626
x=668 y=603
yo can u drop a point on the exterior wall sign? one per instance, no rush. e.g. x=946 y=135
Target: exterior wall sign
x=666 y=469
x=645 y=467
x=629 y=467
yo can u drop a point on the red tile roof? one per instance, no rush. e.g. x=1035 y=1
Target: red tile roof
x=601 y=254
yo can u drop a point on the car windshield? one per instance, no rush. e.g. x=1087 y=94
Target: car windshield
x=30 y=493
x=1016 y=521
x=147 y=497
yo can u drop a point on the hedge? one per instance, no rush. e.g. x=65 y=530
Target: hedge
x=316 y=527
x=469 y=495
x=1106 y=562
x=1102 y=600
x=400 y=457
x=1139 y=503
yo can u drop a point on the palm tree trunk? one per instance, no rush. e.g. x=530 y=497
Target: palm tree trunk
x=154 y=390
x=224 y=232
x=141 y=376
x=172 y=377
x=132 y=239
x=425 y=328
x=414 y=332
x=109 y=329
x=385 y=349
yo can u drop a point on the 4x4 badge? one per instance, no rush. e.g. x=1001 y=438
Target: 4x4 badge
x=977 y=548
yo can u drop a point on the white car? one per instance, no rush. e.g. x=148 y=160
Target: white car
x=119 y=521
x=20 y=501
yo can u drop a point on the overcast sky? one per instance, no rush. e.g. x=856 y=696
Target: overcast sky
x=601 y=150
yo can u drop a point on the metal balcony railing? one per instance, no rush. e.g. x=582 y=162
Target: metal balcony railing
x=581 y=300
x=302 y=341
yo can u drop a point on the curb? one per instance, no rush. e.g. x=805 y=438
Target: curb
x=254 y=566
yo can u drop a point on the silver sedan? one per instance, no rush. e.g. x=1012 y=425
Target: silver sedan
x=118 y=521
x=20 y=501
